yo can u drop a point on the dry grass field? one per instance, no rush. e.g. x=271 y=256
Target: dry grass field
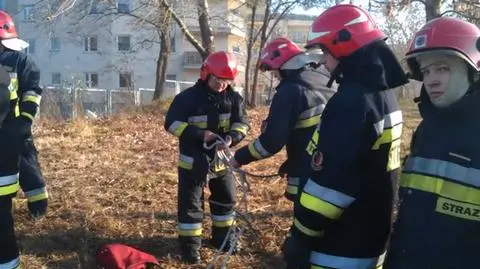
x=114 y=180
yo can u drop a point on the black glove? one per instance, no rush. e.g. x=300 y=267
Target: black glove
x=20 y=127
x=38 y=208
x=296 y=252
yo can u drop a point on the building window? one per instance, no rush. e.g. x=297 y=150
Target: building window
x=31 y=46
x=94 y=7
x=171 y=77
x=123 y=43
x=125 y=80
x=172 y=39
x=91 y=43
x=91 y=80
x=236 y=49
x=55 y=44
x=298 y=36
x=123 y=6
x=56 y=78
x=28 y=14
x=2 y=4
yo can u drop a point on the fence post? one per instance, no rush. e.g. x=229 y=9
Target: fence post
x=105 y=109
x=109 y=103
x=73 y=91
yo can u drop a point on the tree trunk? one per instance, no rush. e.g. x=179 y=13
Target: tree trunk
x=250 y=42
x=162 y=64
x=432 y=9
x=205 y=28
x=263 y=40
x=183 y=28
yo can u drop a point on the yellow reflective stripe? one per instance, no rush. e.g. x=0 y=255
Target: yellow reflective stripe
x=292 y=189
x=13 y=95
x=185 y=165
x=9 y=189
x=31 y=98
x=177 y=128
x=222 y=223
x=224 y=124
x=313 y=143
x=306 y=230
x=388 y=136
x=240 y=127
x=37 y=197
x=28 y=115
x=185 y=162
x=195 y=232
x=202 y=125
x=441 y=187
x=315 y=204
x=394 y=155
x=253 y=151
x=308 y=122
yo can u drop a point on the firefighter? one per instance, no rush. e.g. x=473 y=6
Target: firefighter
x=439 y=215
x=209 y=109
x=4 y=94
x=342 y=218
x=294 y=113
x=16 y=128
x=25 y=79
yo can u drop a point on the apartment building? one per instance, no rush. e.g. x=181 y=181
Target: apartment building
x=111 y=52
x=84 y=46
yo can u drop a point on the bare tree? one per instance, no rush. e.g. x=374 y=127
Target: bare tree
x=468 y=9
x=259 y=33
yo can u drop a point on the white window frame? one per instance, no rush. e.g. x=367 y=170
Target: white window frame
x=129 y=42
x=88 y=43
x=89 y=80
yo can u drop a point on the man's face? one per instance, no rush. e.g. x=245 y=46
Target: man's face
x=330 y=61
x=218 y=84
x=436 y=75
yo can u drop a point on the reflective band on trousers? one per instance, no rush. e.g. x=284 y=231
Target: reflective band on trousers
x=337 y=262
x=13 y=264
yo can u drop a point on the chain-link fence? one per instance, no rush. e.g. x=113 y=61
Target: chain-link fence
x=67 y=103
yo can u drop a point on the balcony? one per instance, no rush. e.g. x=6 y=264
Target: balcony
x=232 y=24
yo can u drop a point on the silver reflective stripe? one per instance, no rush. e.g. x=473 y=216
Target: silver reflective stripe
x=13 y=264
x=194 y=119
x=444 y=169
x=293 y=181
x=332 y=196
x=331 y=261
x=35 y=192
x=189 y=226
x=259 y=147
x=224 y=116
x=223 y=217
x=8 y=180
x=32 y=93
x=173 y=127
x=388 y=121
x=186 y=159
x=314 y=111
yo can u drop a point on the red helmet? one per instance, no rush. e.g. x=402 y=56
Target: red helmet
x=278 y=52
x=8 y=33
x=7 y=27
x=447 y=35
x=220 y=64
x=343 y=29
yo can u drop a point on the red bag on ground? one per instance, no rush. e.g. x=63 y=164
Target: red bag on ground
x=119 y=256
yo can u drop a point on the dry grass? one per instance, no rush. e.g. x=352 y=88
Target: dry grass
x=114 y=180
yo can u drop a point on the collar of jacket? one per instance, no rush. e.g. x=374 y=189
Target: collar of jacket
x=468 y=106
